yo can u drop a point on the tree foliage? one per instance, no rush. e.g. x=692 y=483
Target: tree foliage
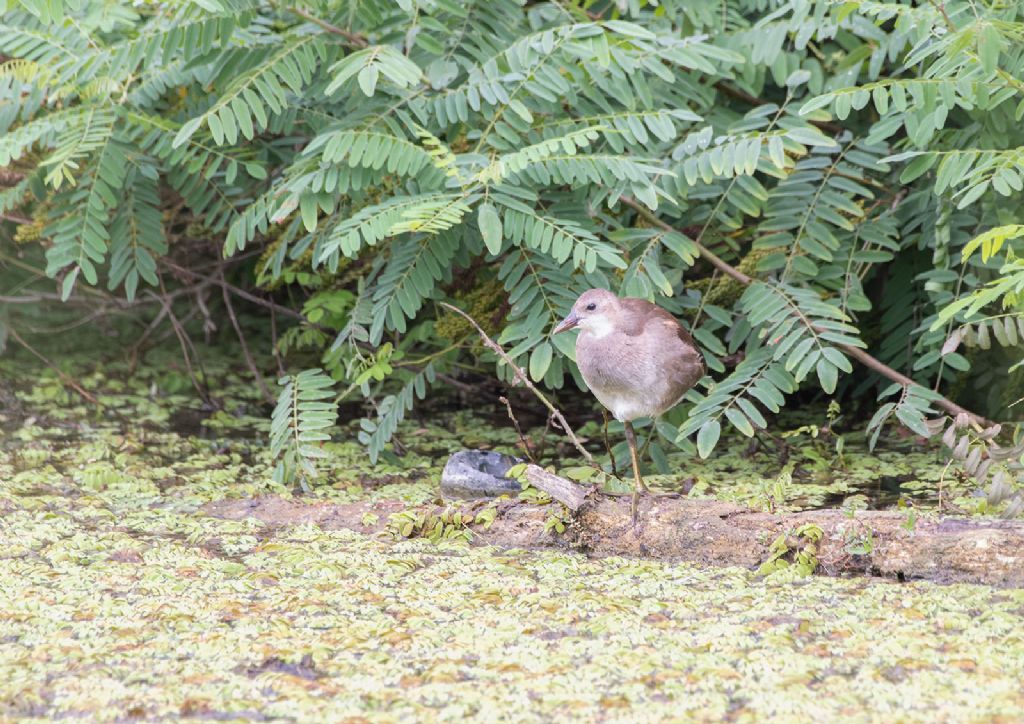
x=851 y=157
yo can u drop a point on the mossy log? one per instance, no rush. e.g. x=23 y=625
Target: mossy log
x=709 y=532
x=884 y=543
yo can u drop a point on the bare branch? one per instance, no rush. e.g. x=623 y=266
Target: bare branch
x=249 y=360
x=65 y=378
x=355 y=38
x=521 y=377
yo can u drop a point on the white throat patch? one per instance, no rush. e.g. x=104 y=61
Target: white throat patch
x=598 y=326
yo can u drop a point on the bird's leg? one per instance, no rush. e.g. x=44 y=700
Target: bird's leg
x=631 y=439
x=643 y=455
x=637 y=457
x=607 y=445
x=647 y=442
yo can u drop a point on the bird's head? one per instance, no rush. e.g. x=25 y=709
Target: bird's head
x=593 y=312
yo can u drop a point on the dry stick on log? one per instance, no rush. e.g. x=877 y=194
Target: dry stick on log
x=712 y=532
x=67 y=380
x=858 y=354
x=521 y=377
x=566 y=492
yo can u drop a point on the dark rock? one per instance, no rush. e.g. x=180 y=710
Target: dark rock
x=478 y=474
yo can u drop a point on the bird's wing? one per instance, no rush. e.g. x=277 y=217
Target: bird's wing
x=685 y=367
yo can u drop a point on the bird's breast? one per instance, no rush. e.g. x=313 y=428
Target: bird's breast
x=622 y=378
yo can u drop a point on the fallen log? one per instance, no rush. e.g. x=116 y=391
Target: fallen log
x=708 y=532
x=885 y=543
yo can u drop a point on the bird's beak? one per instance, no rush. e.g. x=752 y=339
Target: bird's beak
x=566 y=324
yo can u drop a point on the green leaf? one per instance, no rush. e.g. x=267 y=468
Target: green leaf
x=828 y=375
x=739 y=421
x=972 y=195
x=810 y=136
x=989 y=44
x=368 y=79
x=490 y=227
x=912 y=419
x=707 y=437
x=540 y=360
x=68 y=284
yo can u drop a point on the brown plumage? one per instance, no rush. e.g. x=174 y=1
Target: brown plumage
x=634 y=356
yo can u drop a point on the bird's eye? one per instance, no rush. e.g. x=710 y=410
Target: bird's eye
x=591 y=307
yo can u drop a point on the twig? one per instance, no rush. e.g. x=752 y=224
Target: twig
x=65 y=378
x=32 y=299
x=115 y=304
x=941 y=7
x=457 y=384
x=273 y=343
x=742 y=95
x=136 y=349
x=357 y=40
x=235 y=290
x=249 y=360
x=858 y=354
x=520 y=375
x=607 y=444
x=544 y=438
x=515 y=423
x=185 y=342
x=184 y=320
x=942 y=477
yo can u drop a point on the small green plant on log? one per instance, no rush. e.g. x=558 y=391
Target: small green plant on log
x=556 y=522
x=793 y=555
x=772 y=495
x=859 y=540
x=450 y=524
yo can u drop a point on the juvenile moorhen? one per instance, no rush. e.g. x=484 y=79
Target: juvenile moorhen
x=635 y=357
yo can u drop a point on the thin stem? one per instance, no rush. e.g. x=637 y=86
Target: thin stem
x=65 y=378
x=355 y=38
x=520 y=376
x=187 y=348
x=249 y=359
x=429 y=357
x=515 y=423
x=236 y=291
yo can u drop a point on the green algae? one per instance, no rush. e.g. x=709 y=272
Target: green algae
x=167 y=615
x=120 y=599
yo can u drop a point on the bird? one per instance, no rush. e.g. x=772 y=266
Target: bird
x=636 y=358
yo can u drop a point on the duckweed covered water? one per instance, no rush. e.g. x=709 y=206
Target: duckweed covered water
x=120 y=599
